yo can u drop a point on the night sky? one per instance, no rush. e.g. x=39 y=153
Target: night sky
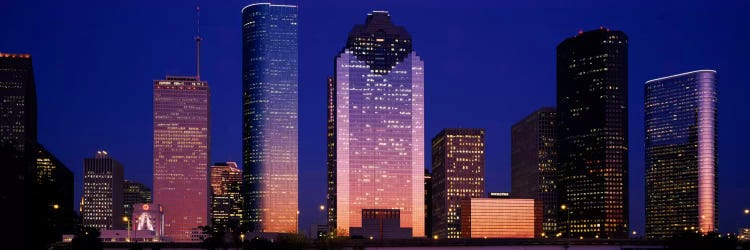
x=487 y=65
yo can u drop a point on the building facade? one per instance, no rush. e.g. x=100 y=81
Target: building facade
x=427 y=203
x=533 y=163
x=148 y=217
x=102 y=192
x=18 y=119
x=226 y=195
x=681 y=123
x=270 y=116
x=133 y=193
x=376 y=105
x=501 y=218
x=458 y=173
x=379 y=224
x=592 y=134
x=181 y=153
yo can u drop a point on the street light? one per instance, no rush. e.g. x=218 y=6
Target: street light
x=567 y=222
x=297 y=223
x=125 y=219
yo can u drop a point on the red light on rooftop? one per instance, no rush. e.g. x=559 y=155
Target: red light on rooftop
x=580 y=32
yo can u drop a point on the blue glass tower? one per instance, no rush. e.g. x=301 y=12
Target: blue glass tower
x=681 y=154
x=269 y=117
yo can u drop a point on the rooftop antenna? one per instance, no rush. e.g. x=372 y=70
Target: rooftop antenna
x=198 y=40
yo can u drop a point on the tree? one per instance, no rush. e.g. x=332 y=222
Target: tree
x=86 y=238
x=695 y=241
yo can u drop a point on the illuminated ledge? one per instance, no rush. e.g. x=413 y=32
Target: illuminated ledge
x=269 y=4
x=682 y=74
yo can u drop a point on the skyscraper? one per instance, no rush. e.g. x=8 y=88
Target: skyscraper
x=226 y=198
x=17 y=102
x=134 y=193
x=102 y=192
x=269 y=116
x=681 y=153
x=377 y=147
x=592 y=109
x=532 y=163
x=181 y=141
x=457 y=174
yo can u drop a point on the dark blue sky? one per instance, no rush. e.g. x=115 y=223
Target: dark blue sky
x=487 y=65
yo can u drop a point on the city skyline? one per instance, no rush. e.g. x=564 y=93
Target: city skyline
x=500 y=127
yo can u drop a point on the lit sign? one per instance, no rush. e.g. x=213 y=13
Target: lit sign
x=499 y=194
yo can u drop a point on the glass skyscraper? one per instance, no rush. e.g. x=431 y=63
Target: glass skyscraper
x=457 y=174
x=592 y=109
x=181 y=151
x=376 y=127
x=681 y=154
x=269 y=117
x=533 y=163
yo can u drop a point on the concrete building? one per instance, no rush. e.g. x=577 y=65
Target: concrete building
x=102 y=205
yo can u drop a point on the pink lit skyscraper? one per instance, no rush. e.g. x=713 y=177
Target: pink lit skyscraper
x=181 y=139
x=376 y=127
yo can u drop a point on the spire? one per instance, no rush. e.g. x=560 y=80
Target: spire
x=198 y=40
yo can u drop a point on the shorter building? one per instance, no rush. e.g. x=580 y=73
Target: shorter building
x=500 y=218
x=148 y=217
x=381 y=224
x=102 y=205
x=318 y=231
x=226 y=196
x=427 y=203
x=133 y=193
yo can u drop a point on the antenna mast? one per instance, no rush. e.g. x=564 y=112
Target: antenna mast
x=198 y=40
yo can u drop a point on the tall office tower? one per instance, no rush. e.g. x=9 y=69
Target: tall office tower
x=17 y=134
x=17 y=102
x=592 y=109
x=102 y=192
x=134 y=193
x=226 y=198
x=532 y=164
x=427 y=204
x=378 y=113
x=269 y=116
x=181 y=141
x=681 y=153
x=457 y=174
